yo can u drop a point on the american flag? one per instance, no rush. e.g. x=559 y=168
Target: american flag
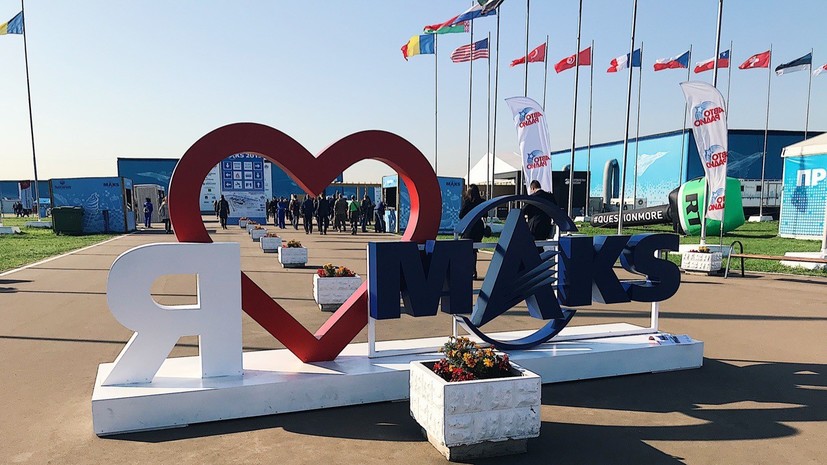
x=470 y=52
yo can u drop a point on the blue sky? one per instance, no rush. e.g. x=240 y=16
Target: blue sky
x=147 y=79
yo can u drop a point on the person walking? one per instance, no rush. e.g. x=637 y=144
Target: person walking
x=365 y=212
x=223 y=211
x=163 y=214
x=323 y=213
x=471 y=199
x=308 y=209
x=147 y=213
x=295 y=209
x=215 y=206
x=539 y=223
x=281 y=211
x=353 y=210
x=340 y=208
x=379 y=217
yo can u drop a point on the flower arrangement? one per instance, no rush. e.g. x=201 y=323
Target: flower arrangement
x=244 y=218
x=271 y=234
x=701 y=249
x=293 y=245
x=258 y=226
x=465 y=360
x=330 y=271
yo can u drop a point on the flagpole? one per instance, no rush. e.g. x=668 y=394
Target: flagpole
x=488 y=121
x=470 y=95
x=766 y=133
x=637 y=130
x=574 y=111
x=728 y=78
x=626 y=130
x=685 y=110
x=714 y=84
x=496 y=88
x=589 y=143
x=809 y=89
x=527 y=16
x=436 y=107
x=545 y=75
x=31 y=121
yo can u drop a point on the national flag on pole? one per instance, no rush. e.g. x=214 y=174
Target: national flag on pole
x=820 y=70
x=418 y=45
x=678 y=62
x=799 y=64
x=538 y=54
x=759 y=60
x=585 y=59
x=442 y=28
x=709 y=65
x=622 y=62
x=470 y=52
x=481 y=8
x=13 y=26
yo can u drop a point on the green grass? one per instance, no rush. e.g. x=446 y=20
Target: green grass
x=37 y=244
x=758 y=238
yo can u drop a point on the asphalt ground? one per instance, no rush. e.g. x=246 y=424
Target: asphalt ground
x=760 y=398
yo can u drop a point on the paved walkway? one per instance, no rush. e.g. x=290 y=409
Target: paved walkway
x=761 y=396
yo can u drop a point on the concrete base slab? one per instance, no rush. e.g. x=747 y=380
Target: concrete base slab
x=478 y=451
x=582 y=219
x=9 y=230
x=275 y=381
x=805 y=265
x=759 y=219
x=39 y=224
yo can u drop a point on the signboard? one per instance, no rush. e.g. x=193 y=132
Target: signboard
x=210 y=190
x=804 y=197
x=532 y=133
x=246 y=186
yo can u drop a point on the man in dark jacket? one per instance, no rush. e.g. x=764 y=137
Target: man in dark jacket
x=308 y=209
x=323 y=213
x=539 y=223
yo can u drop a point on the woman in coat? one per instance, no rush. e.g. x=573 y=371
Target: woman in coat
x=471 y=199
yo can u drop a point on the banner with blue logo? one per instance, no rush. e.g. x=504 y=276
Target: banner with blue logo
x=532 y=133
x=708 y=116
x=804 y=197
x=245 y=183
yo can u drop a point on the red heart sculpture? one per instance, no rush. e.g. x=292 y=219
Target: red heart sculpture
x=313 y=174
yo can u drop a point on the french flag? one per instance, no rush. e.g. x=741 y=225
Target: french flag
x=622 y=62
x=681 y=61
x=708 y=65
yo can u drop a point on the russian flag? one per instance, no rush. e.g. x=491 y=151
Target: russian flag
x=708 y=65
x=480 y=9
x=681 y=61
x=622 y=62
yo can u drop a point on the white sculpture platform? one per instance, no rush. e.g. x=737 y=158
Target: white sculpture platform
x=806 y=265
x=275 y=381
x=9 y=229
x=39 y=224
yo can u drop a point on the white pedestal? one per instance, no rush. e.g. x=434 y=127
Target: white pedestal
x=805 y=265
x=242 y=224
x=257 y=234
x=703 y=262
x=270 y=244
x=275 y=381
x=759 y=219
x=331 y=293
x=292 y=257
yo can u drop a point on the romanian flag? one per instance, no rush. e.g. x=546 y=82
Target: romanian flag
x=418 y=45
x=12 y=26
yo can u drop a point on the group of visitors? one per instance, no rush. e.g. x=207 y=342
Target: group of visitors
x=339 y=211
x=19 y=211
x=163 y=214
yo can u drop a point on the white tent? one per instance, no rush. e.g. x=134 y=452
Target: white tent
x=813 y=146
x=505 y=163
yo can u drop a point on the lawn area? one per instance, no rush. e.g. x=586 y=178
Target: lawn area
x=37 y=244
x=758 y=238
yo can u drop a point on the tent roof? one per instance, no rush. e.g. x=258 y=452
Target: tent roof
x=506 y=162
x=813 y=146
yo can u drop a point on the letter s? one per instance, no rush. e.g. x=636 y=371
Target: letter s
x=662 y=276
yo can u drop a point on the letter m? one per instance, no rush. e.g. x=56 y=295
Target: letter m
x=443 y=272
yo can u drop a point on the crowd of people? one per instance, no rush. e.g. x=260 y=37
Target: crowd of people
x=19 y=210
x=335 y=212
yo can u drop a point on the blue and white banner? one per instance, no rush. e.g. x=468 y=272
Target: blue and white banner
x=532 y=133
x=708 y=116
x=245 y=183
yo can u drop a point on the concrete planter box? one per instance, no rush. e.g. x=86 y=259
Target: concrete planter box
x=250 y=227
x=292 y=257
x=480 y=418
x=242 y=224
x=257 y=234
x=703 y=262
x=331 y=293
x=270 y=244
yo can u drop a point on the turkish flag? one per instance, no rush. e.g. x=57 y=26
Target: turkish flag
x=759 y=60
x=569 y=62
x=538 y=54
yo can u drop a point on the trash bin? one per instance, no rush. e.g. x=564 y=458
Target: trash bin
x=67 y=220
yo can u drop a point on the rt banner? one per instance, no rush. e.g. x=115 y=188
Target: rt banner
x=706 y=106
x=532 y=133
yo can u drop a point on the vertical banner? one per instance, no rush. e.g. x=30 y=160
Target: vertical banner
x=706 y=107
x=26 y=194
x=532 y=133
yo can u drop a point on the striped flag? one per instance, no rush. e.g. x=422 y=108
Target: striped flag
x=709 y=65
x=13 y=26
x=820 y=70
x=470 y=52
x=799 y=64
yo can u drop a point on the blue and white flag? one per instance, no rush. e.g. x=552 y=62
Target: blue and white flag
x=799 y=64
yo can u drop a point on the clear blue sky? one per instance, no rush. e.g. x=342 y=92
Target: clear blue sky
x=148 y=78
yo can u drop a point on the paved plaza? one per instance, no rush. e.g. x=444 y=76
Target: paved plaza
x=760 y=398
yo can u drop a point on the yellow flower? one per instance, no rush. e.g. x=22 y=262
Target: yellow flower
x=488 y=362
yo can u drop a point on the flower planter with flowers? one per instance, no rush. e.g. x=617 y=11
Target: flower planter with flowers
x=333 y=285
x=292 y=255
x=242 y=222
x=251 y=225
x=475 y=403
x=701 y=259
x=270 y=243
x=257 y=233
